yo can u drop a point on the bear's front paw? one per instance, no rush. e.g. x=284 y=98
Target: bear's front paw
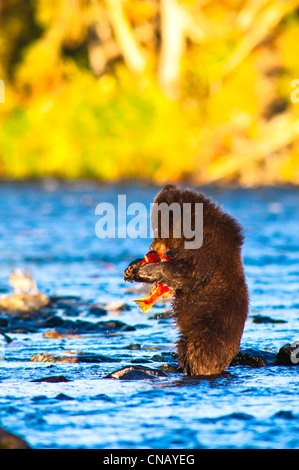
x=145 y=273
x=129 y=271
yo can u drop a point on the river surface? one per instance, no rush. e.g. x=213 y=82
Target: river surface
x=49 y=228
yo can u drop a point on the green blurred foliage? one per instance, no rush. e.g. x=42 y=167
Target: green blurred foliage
x=84 y=95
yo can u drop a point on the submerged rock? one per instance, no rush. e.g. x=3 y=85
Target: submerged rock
x=134 y=346
x=165 y=357
x=288 y=355
x=11 y=441
x=140 y=360
x=96 y=358
x=254 y=359
x=115 y=325
x=118 y=307
x=97 y=311
x=171 y=368
x=63 y=396
x=265 y=319
x=42 y=357
x=55 y=334
x=73 y=306
x=74 y=358
x=52 y=379
x=135 y=373
x=162 y=315
x=83 y=326
x=24 y=302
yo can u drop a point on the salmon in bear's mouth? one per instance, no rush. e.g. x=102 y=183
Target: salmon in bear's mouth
x=159 y=290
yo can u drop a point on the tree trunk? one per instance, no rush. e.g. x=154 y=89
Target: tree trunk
x=172 y=48
x=124 y=35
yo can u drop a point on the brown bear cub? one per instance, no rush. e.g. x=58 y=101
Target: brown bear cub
x=210 y=294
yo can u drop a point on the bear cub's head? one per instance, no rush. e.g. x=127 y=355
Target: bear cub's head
x=177 y=220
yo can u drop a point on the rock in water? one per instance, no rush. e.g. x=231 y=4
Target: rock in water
x=52 y=379
x=10 y=441
x=245 y=359
x=135 y=373
x=24 y=302
x=288 y=355
x=22 y=281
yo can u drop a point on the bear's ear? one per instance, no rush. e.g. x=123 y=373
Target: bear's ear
x=169 y=193
x=169 y=187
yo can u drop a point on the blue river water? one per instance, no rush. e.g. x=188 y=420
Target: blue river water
x=49 y=228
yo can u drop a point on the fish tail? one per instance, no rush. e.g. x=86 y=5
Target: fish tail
x=144 y=304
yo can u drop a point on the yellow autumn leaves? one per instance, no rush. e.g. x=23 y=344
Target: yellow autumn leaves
x=155 y=90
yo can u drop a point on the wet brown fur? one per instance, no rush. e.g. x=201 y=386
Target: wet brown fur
x=211 y=299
